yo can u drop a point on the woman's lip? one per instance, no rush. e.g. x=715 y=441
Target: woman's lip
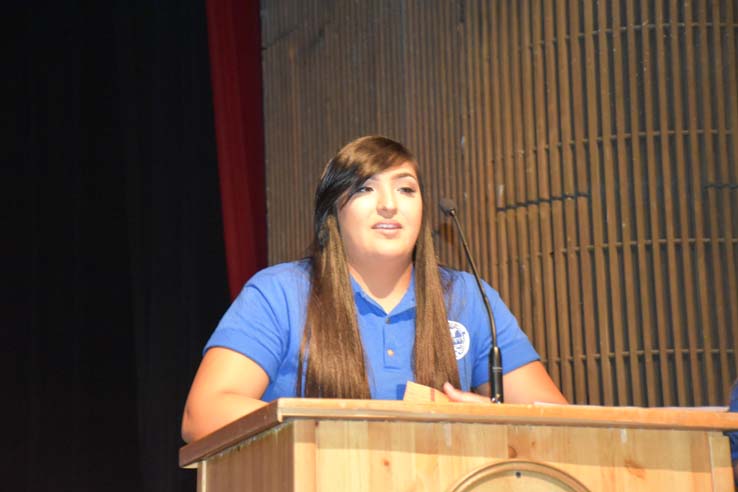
x=387 y=226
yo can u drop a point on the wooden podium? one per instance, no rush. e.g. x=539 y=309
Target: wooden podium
x=371 y=445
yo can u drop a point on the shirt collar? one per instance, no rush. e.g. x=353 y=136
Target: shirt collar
x=407 y=301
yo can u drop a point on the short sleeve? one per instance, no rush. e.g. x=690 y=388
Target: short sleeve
x=257 y=324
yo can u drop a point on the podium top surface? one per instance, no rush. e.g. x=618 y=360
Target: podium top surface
x=284 y=409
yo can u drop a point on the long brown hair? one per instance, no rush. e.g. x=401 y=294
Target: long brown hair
x=331 y=362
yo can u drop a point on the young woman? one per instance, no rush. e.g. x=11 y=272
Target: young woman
x=369 y=310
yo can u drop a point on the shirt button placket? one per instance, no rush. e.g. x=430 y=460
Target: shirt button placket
x=389 y=344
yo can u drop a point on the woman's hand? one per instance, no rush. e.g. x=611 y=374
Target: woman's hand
x=526 y=384
x=455 y=394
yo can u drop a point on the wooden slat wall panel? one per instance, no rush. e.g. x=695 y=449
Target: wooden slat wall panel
x=660 y=347
x=663 y=29
x=592 y=94
x=710 y=391
x=537 y=325
x=589 y=332
x=713 y=193
x=518 y=160
x=629 y=341
x=643 y=297
x=683 y=336
x=724 y=67
x=567 y=291
x=591 y=149
x=728 y=336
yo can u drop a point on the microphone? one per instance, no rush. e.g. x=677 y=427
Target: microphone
x=495 y=357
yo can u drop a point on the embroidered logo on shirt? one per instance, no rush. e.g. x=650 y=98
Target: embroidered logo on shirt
x=460 y=336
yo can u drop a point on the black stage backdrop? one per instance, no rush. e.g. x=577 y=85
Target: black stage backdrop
x=116 y=271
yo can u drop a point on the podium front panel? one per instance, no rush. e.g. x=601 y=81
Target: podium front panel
x=305 y=454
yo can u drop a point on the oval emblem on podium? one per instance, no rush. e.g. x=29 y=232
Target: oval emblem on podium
x=514 y=475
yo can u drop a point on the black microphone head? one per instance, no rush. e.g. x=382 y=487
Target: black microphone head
x=447 y=206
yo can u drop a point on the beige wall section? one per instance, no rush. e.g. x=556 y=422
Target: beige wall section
x=590 y=147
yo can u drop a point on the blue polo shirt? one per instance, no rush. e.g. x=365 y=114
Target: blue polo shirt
x=265 y=323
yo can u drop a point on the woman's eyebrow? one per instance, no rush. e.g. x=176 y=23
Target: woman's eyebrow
x=394 y=177
x=404 y=175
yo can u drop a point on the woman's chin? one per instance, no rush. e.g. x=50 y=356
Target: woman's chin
x=392 y=255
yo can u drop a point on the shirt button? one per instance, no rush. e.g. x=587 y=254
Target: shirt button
x=390 y=352
x=387 y=320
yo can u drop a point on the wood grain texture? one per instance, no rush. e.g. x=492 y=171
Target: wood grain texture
x=277 y=412
x=264 y=462
x=375 y=445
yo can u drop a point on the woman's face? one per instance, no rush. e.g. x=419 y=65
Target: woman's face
x=382 y=220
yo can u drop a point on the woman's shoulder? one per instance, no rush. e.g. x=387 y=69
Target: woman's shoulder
x=459 y=280
x=290 y=268
x=282 y=274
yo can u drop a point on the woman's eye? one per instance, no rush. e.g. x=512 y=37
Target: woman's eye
x=408 y=189
x=363 y=189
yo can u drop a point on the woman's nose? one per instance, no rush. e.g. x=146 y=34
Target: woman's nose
x=387 y=201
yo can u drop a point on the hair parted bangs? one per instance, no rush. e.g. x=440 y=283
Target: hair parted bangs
x=349 y=169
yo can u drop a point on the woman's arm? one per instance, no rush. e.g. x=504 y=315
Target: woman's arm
x=227 y=386
x=526 y=384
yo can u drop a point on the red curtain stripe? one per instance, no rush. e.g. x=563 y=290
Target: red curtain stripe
x=235 y=67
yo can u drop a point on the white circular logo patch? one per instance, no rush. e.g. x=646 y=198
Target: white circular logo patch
x=460 y=337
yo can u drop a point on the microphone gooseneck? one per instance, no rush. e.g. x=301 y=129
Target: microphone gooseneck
x=495 y=356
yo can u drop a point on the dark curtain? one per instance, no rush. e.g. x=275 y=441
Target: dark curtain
x=114 y=248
